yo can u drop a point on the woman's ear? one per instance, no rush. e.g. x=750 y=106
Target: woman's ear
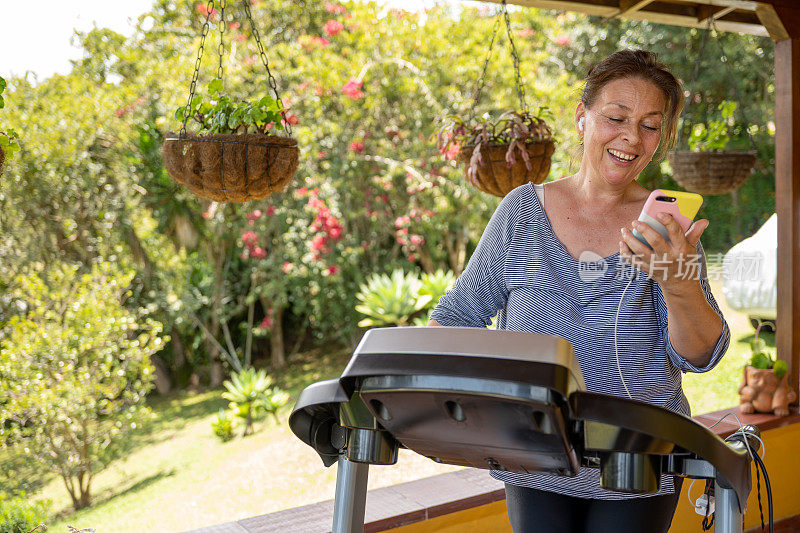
x=580 y=118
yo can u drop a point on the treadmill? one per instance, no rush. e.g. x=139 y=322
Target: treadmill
x=503 y=400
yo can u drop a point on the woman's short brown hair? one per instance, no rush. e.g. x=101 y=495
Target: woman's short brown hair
x=645 y=65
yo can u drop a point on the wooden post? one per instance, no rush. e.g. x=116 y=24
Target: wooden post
x=787 y=200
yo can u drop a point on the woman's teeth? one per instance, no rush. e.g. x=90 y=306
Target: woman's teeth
x=621 y=155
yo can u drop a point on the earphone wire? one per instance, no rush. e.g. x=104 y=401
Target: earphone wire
x=616 y=346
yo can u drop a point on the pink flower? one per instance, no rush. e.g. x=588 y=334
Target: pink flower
x=266 y=323
x=401 y=221
x=249 y=238
x=562 y=40
x=203 y=9
x=259 y=253
x=270 y=210
x=320 y=41
x=452 y=152
x=357 y=147
x=336 y=9
x=417 y=240
x=527 y=32
x=411 y=257
x=353 y=89
x=322 y=154
x=207 y=215
x=255 y=214
x=318 y=243
x=302 y=191
x=287 y=267
x=333 y=269
x=332 y=27
x=303 y=86
x=292 y=119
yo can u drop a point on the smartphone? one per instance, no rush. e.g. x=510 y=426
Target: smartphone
x=683 y=206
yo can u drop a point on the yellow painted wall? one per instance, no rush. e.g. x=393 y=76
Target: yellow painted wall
x=782 y=461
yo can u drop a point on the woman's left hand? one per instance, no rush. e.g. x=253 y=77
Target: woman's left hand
x=675 y=264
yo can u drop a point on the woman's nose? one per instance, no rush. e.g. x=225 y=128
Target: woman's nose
x=630 y=133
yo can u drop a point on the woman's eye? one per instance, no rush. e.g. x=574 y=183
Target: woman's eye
x=612 y=119
x=650 y=128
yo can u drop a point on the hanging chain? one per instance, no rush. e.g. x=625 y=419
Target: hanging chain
x=193 y=85
x=520 y=88
x=221 y=37
x=270 y=78
x=482 y=79
x=690 y=96
x=739 y=107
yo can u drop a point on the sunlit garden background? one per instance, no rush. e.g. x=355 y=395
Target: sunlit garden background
x=152 y=343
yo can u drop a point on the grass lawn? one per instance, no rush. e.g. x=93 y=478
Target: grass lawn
x=179 y=476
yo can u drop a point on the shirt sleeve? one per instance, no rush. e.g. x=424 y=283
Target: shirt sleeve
x=724 y=338
x=481 y=289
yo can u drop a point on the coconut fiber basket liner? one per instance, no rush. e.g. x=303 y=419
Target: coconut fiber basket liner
x=231 y=168
x=496 y=177
x=711 y=172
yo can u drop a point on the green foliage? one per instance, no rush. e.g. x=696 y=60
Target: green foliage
x=21 y=515
x=223 y=425
x=436 y=285
x=251 y=392
x=780 y=368
x=9 y=142
x=223 y=115
x=391 y=300
x=74 y=368
x=714 y=134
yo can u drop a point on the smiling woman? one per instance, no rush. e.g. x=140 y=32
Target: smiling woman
x=531 y=264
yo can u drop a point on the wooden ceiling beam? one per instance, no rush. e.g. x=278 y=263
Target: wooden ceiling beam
x=630 y=6
x=742 y=18
x=781 y=22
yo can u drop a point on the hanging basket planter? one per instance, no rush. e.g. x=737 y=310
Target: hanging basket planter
x=497 y=177
x=502 y=154
x=232 y=158
x=711 y=172
x=231 y=168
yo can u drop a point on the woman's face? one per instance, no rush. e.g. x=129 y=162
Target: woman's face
x=622 y=129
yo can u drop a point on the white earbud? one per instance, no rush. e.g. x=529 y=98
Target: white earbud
x=580 y=123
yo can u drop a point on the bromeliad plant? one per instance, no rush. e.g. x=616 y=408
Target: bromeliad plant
x=252 y=393
x=221 y=114
x=402 y=298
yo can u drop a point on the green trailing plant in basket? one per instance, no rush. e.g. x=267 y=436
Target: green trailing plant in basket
x=762 y=360
x=231 y=157
x=715 y=134
x=220 y=114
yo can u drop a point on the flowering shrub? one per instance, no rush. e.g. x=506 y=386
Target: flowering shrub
x=353 y=89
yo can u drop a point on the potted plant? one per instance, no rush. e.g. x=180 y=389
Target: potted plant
x=231 y=157
x=9 y=142
x=764 y=386
x=706 y=168
x=503 y=153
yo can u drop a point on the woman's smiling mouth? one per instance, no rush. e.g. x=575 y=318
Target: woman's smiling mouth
x=621 y=156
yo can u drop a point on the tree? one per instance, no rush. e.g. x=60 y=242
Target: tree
x=74 y=370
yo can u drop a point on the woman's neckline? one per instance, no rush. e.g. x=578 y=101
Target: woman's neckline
x=560 y=244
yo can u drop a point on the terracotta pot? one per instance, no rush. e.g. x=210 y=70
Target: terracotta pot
x=761 y=391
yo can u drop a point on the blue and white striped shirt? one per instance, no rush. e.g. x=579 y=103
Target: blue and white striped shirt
x=520 y=265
